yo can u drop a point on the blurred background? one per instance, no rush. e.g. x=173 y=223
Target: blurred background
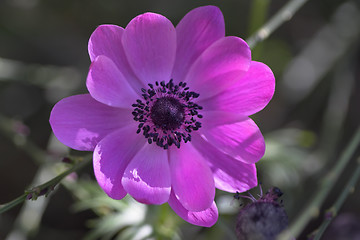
x=315 y=111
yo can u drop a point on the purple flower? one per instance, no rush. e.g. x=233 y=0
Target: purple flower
x=167 y=114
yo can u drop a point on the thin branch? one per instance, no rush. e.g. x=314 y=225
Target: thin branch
x=331 y=213
x=46 y=188
x=313 y=206
x=13 y=203
x=284 y=14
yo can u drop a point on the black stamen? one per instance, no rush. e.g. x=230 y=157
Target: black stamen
x=168 y=116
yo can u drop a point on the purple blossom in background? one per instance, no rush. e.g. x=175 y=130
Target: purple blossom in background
x=167 y=114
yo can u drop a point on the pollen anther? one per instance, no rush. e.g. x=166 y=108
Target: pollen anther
x=167 y=113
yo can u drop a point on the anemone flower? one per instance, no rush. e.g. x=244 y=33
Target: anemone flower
x=167 y=112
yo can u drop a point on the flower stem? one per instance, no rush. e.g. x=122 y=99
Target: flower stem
x=313 y=207
x=284 y=14
x=46 y=188
x=332 y=212
x=258 y=14
x=13 y=203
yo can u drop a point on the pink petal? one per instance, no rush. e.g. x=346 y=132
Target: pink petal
x=111 y=157
x=191 y=177
x=199 y=28
x=219 y=66
x=248 y=95
x=229 y=174
x=149 y=41
x=215 y=118
x=205 y=218
x=108 y=85
x=106 y=40
x=147 y=177
x=242 y=140
x=80 y=122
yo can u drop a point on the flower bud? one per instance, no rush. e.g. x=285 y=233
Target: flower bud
x=263 y=219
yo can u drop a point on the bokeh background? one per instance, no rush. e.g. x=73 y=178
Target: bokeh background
x=311 y=119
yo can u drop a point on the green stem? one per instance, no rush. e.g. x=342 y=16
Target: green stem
x=35 y=191
x=332 y=212
x=13 y=203
x=258 y=14
x=313 y=207
x=259 y=9
x=284 y=14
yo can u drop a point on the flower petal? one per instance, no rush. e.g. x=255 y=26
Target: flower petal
x=219 y=66
x=215 y=118
x=147 y=177
x=229 y=174
x=106 y=40
x=80 y=121
x=205 y=218
x=149 y=41
x=192 y=179
x=111 y=157
x=242 y=140
x=199 y=28
x=108 y=85
x=248 y=95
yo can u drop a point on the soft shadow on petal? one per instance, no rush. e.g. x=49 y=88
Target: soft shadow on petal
x=108 y=85
x=106 y=40
x=219 y=66
x=230 y=174
x=248 y=95
x=147 y=177
x=191 y=178
x=242 y=140
x=205 y=218
x=111 y=157
x=80 y=121
x=198 y=29
x=149 y=42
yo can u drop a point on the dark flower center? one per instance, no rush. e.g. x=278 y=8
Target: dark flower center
x=167 y=114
